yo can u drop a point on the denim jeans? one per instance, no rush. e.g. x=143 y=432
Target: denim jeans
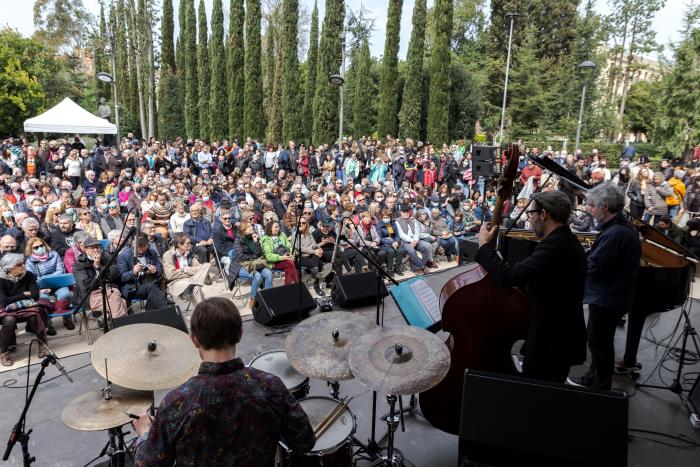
x=265 y=275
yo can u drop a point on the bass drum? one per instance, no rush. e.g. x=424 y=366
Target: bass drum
x=275 y=362
x=334 y=447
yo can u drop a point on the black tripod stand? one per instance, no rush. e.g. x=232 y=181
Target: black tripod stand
x=18 y=433
x=688 y=332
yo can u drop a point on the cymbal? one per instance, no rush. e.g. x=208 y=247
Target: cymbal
x=313 y=350
x=90 y=412
x=420 y=360
x=131 y=364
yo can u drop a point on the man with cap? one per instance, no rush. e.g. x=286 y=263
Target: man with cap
x=140 y=273
x=87 y=266
x=553 y=278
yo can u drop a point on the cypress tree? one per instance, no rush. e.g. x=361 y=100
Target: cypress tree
x=330 y=56
x=190 y=62
x=236 y=80
x=253 y=72
x=269 y=66
x=275 y=123
x=311 y=64
x=389 y=88
x=291 y=105
x=167 y=53
x=180 y=50
x=410 y=115
x=439 y=100
x=170 y=118
x=203 y=71
x=362 y=110
x=218 y=115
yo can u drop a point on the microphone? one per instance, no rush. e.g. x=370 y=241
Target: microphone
x=56 y=361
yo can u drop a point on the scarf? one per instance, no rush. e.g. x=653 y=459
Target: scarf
x=42 y=258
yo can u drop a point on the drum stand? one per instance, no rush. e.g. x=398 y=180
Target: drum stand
x=393 y=457
x=115 y=448
x=335 y=389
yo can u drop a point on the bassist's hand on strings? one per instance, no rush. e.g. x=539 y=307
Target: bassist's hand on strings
x=487 y=233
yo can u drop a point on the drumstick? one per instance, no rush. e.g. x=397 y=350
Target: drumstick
x=328 y=416
x=331 y=418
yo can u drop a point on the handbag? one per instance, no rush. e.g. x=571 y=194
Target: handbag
x=21 y=305
x=281 y=250
x=257 y=264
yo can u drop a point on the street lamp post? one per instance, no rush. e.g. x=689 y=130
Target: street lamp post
x=339 y=80
x=512 y=17
x=583 y=66
x=112 y=79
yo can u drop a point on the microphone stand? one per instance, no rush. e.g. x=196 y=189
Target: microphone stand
x=297 y=245
x=373 y=446
x=18 y=433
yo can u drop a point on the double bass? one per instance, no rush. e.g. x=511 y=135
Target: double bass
x=484 y=320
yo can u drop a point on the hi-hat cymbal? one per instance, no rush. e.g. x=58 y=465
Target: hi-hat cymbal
x=318 y=346
x=399 y=360
x=91 y=412
x=131 y=364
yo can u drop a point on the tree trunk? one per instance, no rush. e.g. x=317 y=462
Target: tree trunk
x=151 y=80
x=627 y=77
x=139 y=75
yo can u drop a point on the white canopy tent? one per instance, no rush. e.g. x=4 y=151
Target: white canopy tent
x=69 y=117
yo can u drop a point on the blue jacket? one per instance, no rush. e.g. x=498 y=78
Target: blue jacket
x=198 y=231
x=385 y=238
x=125 y=265
x=52 y=265
x=613 y=263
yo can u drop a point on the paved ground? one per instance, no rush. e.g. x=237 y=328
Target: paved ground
x=658 y=410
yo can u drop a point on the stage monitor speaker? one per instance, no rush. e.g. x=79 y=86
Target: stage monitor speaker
x=169 y=316
x=510 y=420
x=485 y=161
x=355 y=290
x=281 y=305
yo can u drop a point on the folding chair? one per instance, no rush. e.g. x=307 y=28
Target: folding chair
x=59 y=281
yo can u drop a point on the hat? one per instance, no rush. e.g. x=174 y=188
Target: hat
x=91 y=241
x=327 y=221
x=405 y=208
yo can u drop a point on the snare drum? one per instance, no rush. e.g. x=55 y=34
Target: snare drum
x=275 y=362
x=334 y=447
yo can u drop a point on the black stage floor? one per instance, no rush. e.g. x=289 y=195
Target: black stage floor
x=53 y=444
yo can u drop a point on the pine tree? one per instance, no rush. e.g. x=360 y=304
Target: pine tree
x=330 y=56
x=410 y=115
x=311 y=65
x=362 y=111
x=236 y=77
x=389 y=91
x=291 y=104
x=526 y=93
x=253 y=72
x=190 y=62
x=203 y=73
x=218 y=115
x=170 y=118
x=275 y=122
x=439 y=100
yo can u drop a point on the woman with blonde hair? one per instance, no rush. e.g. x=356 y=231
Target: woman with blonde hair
x=85 y=223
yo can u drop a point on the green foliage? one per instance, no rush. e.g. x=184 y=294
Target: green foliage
x=275 y=120
x=218 y=115
x=291 y=99
x=118 y=20
x=363 y=115
x=236 y=76
x=527 y=96
x=60 y=24
x=203 y=72
x=387 y=123
x=170 y=122
x=465 y=103
x=21 y=95
x=180 y=50
x=642 y=107
x=412 y=105
x=253 y=72
x=190 y=63
x=167 y=54
x=439 y=100
x=330 y=56
x=310 y=88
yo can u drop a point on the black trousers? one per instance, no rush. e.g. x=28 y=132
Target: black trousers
x=311 y=262
x=602 y=324
x=9 y=325
x=149 y=291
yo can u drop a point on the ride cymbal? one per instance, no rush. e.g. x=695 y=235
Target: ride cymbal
x=91 y=412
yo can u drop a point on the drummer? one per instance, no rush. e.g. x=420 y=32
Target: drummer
x=227 y=414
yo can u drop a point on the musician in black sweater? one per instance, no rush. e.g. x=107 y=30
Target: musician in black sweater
x=553 y=277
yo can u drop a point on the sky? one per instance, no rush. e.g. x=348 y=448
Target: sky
x=667 y=23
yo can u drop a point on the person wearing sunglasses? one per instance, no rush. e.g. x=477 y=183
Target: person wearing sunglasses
x=553 y=277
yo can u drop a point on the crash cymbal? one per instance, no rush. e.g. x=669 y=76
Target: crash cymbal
x=91 y=412
x=131 y=364
x=318 y=346
x=420 y=360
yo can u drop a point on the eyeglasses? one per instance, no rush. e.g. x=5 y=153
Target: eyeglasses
x=37 y=246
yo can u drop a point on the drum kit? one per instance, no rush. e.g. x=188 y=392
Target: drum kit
x=339 y=346
x=138 y=359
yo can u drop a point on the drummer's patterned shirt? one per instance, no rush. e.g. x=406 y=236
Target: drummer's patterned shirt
x=227 y=415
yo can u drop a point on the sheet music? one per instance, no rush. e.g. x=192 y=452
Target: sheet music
x=428 y=299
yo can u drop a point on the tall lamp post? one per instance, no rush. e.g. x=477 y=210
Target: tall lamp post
x=512 y=17
x=582 y=67
x=112 y=79
x=339 y=80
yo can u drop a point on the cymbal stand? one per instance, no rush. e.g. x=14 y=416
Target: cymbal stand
x=393 y=457
x=335 y=389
